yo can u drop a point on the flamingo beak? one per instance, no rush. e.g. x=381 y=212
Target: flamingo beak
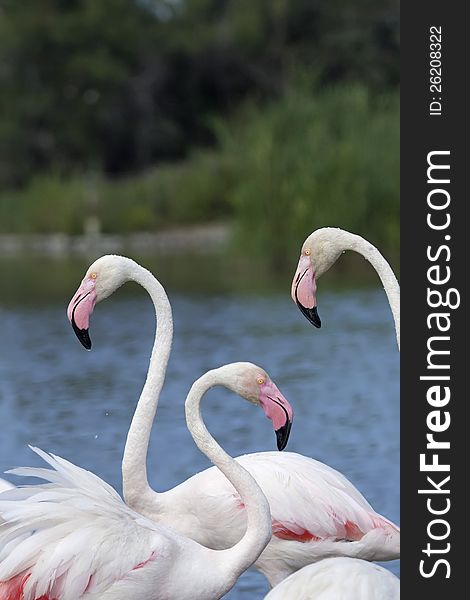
x=79 y=311
x=278 y=410
x=282 y=435
x=304 y=289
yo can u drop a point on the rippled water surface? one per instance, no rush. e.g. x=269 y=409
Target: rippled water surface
x=342 y=380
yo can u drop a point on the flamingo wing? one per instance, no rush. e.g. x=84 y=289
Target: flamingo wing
x=309 y=501
x=70 y=536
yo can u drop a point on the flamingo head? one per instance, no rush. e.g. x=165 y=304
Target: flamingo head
x=319 y=251
x=254 y=384
x=102 y=278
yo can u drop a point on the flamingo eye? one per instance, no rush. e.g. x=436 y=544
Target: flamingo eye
x=93 y=275
x=261 y=380
x=307 y=252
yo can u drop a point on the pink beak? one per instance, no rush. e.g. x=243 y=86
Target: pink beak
x=304 y=290
x=79 y=311
x=278 y=410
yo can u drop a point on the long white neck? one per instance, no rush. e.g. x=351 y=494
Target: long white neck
x=351 y=241
x=134 y=464
x=258 y=532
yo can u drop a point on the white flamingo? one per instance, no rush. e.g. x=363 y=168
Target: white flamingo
x=320 y=251
x=75 y=538
x=316 y=512
x=338 y=579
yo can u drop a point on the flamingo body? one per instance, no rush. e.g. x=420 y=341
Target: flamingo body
x=316 y=512
x=338 y=579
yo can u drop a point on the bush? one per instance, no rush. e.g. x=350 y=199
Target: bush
x=308 y=161
x=193 y=191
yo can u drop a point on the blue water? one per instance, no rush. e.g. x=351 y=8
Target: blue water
x=342 y=380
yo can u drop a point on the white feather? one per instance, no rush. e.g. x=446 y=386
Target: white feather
x=338 y=579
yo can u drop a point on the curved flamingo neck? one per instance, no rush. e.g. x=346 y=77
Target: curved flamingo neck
x=351 y=241
x=134 y=463
x=258 y=532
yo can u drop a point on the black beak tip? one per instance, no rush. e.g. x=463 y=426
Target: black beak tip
x=84 y=338
x=82 y=335
x=311 y=314
x=282 y=435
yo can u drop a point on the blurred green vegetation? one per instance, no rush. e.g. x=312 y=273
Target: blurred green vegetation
x=187 y=192
x=312 y=160
x=279 y=115
x=279 y=170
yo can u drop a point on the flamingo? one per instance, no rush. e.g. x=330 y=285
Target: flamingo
x=74 y=537
x=320 y=251
x=316 y=512
x=338 y=579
